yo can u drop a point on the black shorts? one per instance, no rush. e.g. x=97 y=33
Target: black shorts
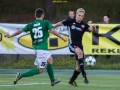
x=72 y=50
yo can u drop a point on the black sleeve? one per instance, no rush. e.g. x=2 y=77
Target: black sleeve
x=66 y=22
x=86 y=27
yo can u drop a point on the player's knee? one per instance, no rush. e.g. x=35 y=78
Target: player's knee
x=80 y=61
x=41 y=70
x=80 y=55
x=50 y=60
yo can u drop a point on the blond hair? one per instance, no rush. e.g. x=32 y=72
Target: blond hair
x=80 y=10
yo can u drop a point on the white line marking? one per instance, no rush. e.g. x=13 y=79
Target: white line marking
x=24 y=84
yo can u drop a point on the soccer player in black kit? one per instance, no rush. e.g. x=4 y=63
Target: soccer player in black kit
x=76 y=31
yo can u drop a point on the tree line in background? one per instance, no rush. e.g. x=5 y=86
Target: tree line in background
x=22 y=11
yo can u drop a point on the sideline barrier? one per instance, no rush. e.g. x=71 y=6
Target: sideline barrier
x=106 y=41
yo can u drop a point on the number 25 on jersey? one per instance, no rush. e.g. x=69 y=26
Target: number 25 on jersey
x=37 y=32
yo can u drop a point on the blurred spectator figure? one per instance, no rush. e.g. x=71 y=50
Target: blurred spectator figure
x=106 y=19
x=71 y=14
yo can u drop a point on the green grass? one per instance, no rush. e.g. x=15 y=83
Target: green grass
x=97 y=82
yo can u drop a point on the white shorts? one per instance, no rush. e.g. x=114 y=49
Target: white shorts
x=42 y=57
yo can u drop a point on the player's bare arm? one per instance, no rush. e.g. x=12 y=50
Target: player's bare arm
x=57 y=34
x=58 y=24
x=92 y=28
x=14 y=34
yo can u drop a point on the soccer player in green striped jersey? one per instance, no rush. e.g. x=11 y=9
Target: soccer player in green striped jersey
x=39 y=31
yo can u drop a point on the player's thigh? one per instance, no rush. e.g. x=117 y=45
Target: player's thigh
x=79 y=52
x=42 y=58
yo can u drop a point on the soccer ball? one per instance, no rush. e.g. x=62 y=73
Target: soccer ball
x=90 y=61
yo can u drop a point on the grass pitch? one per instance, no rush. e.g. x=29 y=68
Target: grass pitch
x=42 y=82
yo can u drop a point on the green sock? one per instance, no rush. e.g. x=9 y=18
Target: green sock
x=50 y=71
x=31 y=72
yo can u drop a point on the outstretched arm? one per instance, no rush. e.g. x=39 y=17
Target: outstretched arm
x=92 y=28
x=57 y=34
x=58 y=24
x=14 y=34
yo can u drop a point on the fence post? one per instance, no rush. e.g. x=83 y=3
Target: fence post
x=17 y=57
